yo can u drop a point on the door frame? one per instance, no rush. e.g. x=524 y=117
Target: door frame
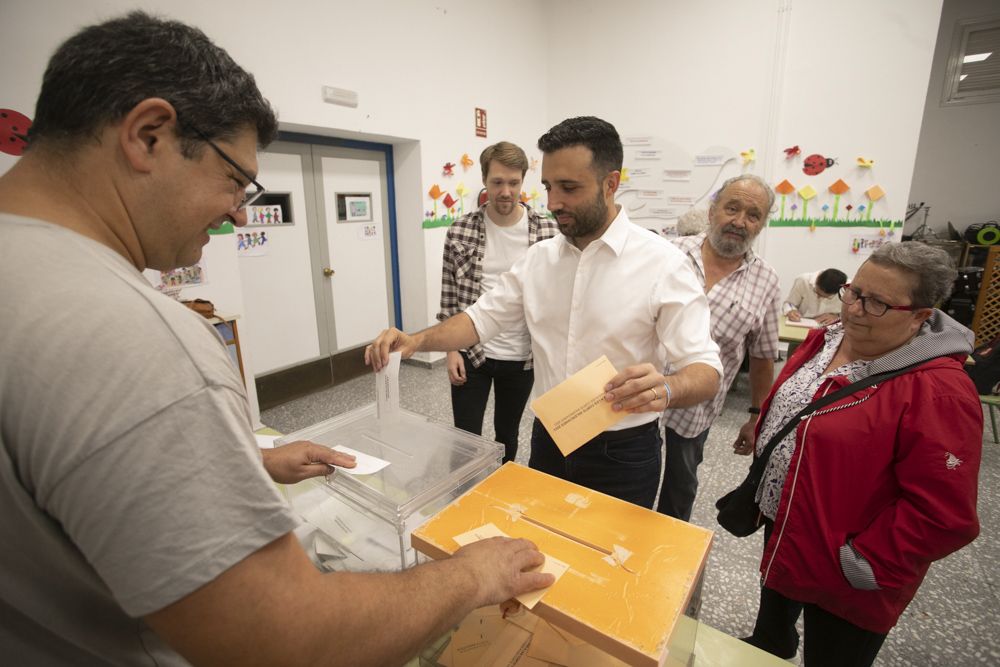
x=386 y=151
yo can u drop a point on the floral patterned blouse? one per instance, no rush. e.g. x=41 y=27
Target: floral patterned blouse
x=793 y=395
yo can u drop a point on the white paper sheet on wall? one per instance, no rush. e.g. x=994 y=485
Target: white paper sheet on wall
x=387 y=389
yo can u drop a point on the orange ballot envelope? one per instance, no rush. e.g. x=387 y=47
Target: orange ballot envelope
x=574 y=411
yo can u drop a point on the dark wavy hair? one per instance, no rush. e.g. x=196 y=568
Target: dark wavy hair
x=100 y=74
x=598 y=135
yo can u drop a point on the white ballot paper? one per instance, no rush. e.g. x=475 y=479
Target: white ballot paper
x=805 y=323
x=387 y=389
x=552 y=565
x=366 y=463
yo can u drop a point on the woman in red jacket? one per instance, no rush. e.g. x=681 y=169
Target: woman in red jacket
x=864 y=494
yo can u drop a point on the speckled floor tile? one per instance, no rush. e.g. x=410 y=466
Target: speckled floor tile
x=954 y=620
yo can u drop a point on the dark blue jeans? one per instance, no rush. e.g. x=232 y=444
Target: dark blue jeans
x=624 y=464
x=680 y=473
x=511 y=388
x=829 y=639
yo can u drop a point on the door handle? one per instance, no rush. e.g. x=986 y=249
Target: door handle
x=327 y=271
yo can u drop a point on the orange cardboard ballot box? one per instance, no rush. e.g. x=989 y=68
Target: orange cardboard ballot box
x=631 y=570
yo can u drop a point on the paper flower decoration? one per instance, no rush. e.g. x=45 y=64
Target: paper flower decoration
x=466 y=161
x=784 y=188
x=838 y=187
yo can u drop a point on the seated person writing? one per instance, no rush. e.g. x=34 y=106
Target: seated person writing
x=814 y=295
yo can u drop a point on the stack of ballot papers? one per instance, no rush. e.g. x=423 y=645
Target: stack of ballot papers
x=486 y=639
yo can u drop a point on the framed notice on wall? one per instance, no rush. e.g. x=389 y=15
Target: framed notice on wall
x=355 y=207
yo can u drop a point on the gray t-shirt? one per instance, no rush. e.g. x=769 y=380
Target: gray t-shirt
x=129 y=475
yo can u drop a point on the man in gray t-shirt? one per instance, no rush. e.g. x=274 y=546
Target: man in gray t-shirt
x=140 y=523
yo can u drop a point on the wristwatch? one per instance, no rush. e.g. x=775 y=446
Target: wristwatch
x=754 y=411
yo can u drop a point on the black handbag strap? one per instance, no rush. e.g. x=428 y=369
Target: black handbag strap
x=757 y=468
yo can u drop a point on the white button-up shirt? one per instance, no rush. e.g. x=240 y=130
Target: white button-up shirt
x=630 y=295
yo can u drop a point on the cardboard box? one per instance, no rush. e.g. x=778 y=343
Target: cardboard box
x=632 y=570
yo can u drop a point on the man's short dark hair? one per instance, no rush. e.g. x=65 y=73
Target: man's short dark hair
x=100 y=74
x=830 y=280
x=598 y=135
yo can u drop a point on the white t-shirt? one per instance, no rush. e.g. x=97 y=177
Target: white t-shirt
x=129 y=475
x=504 y=246
x=631 y=295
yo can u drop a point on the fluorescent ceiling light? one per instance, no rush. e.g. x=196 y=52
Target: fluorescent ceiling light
x=976 y=57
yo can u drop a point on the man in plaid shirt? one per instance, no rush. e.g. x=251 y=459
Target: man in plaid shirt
x=745 y=301
x=479 y=248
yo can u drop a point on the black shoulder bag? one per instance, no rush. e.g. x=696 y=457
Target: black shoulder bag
x=738 y=511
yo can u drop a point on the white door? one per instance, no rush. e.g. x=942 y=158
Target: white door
x=350 y=190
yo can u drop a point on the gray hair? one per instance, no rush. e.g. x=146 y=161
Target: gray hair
x=693 y=221
x=931 y=268
x=753 y=178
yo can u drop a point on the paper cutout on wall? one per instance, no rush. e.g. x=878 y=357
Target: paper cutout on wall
x=625 y=176
x=748 y=156
x=534 y=198
x=448 y=169
x=825 y=208
x=461 y=192
x=838 y=187
x=849 y=209
x=865 y=163
x=874 y=193
x=466 y=161
x=816 y=163
x=449 y=202
x=13 y=130
x=252 y=244
x=435 y=194
x=807 y=193
x=534 y=164
x=792 y=151
x=524 y=197
x=784 y=188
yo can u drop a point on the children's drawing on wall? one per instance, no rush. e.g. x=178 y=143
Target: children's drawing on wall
x=172 y=282
x=265 y=215
x=252 y=243
x=865 y=243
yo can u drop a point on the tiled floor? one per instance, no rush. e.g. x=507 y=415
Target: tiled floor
x=954 y=619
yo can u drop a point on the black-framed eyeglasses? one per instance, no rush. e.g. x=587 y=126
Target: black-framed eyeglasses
x=869 y=304
x=249 y=196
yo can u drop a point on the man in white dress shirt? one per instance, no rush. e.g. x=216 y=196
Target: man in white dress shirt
x=604 y=286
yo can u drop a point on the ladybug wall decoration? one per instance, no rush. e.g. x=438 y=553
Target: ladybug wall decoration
x=816 y=163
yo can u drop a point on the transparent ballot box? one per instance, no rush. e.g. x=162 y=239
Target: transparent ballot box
x=363 y=522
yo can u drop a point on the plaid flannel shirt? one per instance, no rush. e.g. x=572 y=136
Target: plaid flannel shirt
x=462 y=268
x=745 y=309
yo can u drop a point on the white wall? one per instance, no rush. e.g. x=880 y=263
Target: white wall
x=956 y=167
x=844 y=80
x=849 y=80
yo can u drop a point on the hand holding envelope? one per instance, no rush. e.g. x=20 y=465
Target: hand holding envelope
x=579 y=408
x=575 y=410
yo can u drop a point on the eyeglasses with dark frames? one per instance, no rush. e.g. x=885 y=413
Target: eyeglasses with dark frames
x=869 y=304
x=249 y=196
